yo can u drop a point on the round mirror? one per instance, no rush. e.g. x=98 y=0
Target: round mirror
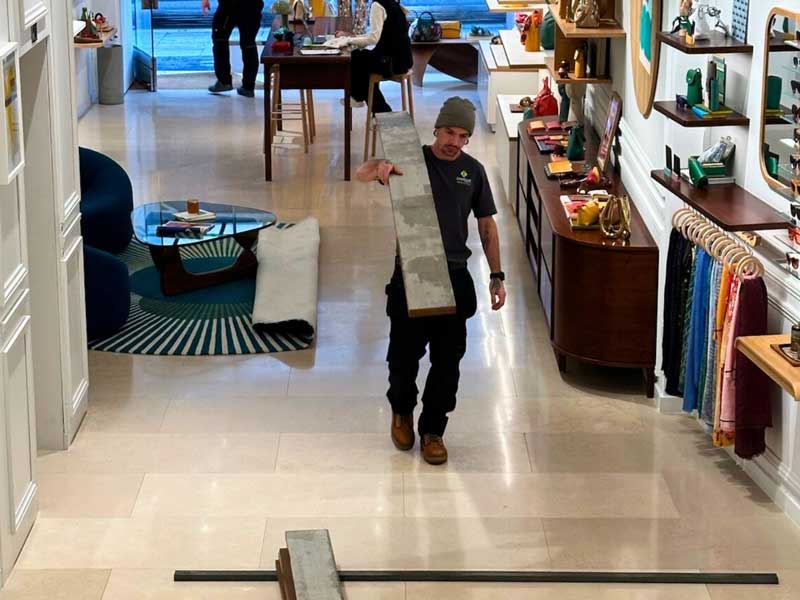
x=780 y=101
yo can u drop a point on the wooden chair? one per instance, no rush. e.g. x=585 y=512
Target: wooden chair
x=407 y=93
x=302 y=111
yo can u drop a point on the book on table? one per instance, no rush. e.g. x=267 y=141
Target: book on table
x=202 y=215
x=183 y=229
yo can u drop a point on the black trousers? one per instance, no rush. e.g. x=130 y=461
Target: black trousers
x=445 y=336
x=362 y=64
x=246 y=15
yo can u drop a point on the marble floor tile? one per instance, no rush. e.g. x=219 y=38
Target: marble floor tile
x=270 y=495
x=430 y=543
x=556 y=495
x=713 y=544
x=165 y=453
x=788 y=589
x=144 y=543
x=641 y=452
x=338 y=382
x=61 y=584
x=375 y=453
x=562 y=591
x=158 y=584
x=78 y=495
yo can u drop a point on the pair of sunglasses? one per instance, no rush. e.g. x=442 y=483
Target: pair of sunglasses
x=794 y=160
x=681 y=102
x=793 y=260
x=794 y=235
x=794 y=208
x=795 y=112
x=795 y=86
x=796 y=62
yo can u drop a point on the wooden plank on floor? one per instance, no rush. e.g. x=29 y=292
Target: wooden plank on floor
x=422 y=257
x=313 y=566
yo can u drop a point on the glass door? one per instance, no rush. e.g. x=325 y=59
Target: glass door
x=144 y=55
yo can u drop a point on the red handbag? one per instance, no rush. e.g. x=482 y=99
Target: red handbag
x=545 y=103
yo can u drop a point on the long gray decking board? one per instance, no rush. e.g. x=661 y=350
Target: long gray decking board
x=422 y=257
x=313 y=565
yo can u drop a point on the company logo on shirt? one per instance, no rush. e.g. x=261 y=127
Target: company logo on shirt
x=463 y=178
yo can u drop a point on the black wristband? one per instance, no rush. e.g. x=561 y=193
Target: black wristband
x=498 y=275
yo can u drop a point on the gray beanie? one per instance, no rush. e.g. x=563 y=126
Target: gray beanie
x=457 y=112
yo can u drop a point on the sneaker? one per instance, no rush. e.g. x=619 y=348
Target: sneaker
x=403 y=431
x=353 y=103
x=246 y=92
x=219 y=87
x=433 y=449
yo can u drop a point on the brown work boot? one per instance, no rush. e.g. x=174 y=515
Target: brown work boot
x=403 y=431
x=433 y=449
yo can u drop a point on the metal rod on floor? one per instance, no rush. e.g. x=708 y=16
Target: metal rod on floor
x=504 y=577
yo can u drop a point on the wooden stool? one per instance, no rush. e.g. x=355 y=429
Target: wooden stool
x=407 y=94
x=302 y=111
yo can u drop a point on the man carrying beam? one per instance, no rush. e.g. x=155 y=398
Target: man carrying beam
x=459 y=185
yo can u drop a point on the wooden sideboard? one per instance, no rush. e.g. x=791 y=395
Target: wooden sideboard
x=600 y=296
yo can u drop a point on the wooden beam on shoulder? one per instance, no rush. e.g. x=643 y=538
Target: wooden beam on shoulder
x=422 y=258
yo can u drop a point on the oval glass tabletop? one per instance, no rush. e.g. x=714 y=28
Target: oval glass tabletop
x=150 y=223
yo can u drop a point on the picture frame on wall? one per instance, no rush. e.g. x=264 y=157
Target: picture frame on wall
x=12 y=156
x=609 y=132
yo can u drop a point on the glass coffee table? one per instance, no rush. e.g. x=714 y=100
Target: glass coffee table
x=238 y=222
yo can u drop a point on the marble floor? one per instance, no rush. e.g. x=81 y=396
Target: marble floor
x=204 y=462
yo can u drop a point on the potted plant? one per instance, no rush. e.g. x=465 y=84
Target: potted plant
x=282 y=8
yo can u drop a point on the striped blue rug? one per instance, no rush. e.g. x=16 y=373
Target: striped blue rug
x=214 y=320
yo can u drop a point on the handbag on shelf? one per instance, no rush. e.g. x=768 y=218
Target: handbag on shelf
x=425 y=28
x=587 y=14
x=547 y=33
x=545 y=103
x=615 y=218
x=451 y=30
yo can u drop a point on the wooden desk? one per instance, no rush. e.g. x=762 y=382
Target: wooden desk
x=457 y=57
x=308 y=72
x=600 y=296
x=758 y=349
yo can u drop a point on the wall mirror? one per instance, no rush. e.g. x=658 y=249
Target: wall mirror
x=780 y=104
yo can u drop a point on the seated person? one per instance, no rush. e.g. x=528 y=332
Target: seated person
x=388 y=31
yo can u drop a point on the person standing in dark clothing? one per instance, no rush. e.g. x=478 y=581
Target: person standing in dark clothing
x=459 y=186
x=388 y=32
x=246 y=16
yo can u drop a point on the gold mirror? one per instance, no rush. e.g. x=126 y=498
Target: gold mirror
x=780 y=101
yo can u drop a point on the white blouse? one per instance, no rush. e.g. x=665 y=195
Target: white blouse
x=377 y=17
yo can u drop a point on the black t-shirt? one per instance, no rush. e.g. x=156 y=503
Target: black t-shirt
x=458 y=186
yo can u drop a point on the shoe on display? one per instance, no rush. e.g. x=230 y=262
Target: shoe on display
x=246 y=92
x=433 y=449
x=353 y=103
x=219 y=87
x=403 y=431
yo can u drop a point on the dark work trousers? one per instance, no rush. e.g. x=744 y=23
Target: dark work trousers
x=246 y=15
x=446 y=337
x=362 y=64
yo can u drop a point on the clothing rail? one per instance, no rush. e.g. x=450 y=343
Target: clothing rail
x=717 y=243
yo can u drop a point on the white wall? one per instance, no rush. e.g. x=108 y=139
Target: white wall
x=642 y=150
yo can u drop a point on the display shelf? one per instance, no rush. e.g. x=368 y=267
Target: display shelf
x=758 y=349
x=496 y=6
x=730 y=206
x=784 y=46
x=786 y=119
x=104 y=37
x=717 y=43
x=687 y=118
x=550 y=62
x=570 y=30
x=518 y=57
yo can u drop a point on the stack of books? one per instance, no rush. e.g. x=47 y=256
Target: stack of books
x=716 y=172
x=702 y=111
x=201 y=215
x=183 y=229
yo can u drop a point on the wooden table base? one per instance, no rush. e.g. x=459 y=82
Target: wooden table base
x=175 y=279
